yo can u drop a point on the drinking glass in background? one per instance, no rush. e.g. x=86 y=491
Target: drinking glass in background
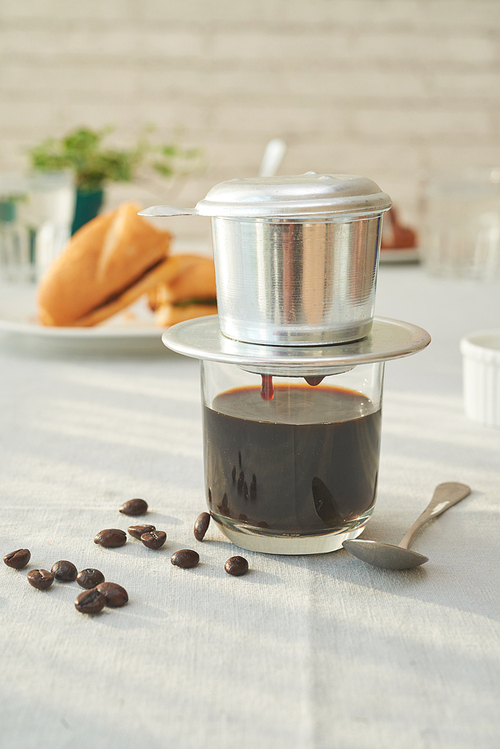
x=36 y=211
x=461 y=225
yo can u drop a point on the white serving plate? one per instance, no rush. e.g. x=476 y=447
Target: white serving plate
x=404 y=255
x=131 y=331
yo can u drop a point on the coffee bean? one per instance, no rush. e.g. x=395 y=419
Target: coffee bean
x=137 y=530
x=90 y=601
x=111 y=538
x=40 y=579
x=185 y=558
x=236 y=566
x=17 y=559
x=115 y=596
x=154 y=539
x=201 y=526
x=64 y=571
x=89 y=578
x=134 y=507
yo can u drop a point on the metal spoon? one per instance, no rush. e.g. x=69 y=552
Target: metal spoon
x=273 y=156
x=400 y=557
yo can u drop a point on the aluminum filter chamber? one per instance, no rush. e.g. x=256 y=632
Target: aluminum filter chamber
x=296 y=282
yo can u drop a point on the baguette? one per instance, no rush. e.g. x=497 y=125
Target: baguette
x=187 y=290
x=395 y=235
x=108 y=264
x=171 y=314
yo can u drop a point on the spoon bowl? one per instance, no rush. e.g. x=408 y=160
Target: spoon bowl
x=399 y=557
x=387 y=556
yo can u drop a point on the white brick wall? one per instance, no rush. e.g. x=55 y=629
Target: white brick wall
x=386 y=88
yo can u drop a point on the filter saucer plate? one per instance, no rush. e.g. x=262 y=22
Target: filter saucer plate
x=388 y=339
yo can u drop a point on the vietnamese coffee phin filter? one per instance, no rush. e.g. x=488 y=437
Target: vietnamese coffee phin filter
x=292 y=366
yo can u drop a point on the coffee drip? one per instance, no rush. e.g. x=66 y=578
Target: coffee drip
x=267 y=389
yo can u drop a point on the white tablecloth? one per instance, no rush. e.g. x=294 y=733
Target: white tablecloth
x=314 y=652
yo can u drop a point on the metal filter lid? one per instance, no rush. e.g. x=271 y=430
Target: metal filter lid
x=309 y=194
x=302 y=195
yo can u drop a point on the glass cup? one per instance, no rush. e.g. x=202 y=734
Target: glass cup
x=461 y=225
x=36 y=211
x=291 y=465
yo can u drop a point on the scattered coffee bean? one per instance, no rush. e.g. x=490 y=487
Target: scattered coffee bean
x=114 y=595
x=236 y=566
x=111 y=538
x=201 y=526
x=64 y=571
x=17 y=559
x=134 y=507
x=137 y=530
x=185 y=558
x=90 y=602
x=154 y=539
x=89 y=578
x=40 y=579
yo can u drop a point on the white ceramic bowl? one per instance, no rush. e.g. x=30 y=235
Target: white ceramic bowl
x=481 y=376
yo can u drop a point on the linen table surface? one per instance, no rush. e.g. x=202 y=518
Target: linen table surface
x=310 y=652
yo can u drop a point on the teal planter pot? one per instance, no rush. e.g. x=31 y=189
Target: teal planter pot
x=88 y=205
x=7 y=211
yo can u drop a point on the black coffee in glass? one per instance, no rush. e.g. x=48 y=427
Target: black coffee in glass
x=304 y=463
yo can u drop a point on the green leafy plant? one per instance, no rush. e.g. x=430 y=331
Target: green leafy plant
x=95 y=164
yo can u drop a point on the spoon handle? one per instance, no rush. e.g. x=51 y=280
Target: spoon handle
x=445 y=496
x=273 y=156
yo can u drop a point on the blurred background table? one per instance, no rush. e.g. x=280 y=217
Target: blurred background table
x=303 y=652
